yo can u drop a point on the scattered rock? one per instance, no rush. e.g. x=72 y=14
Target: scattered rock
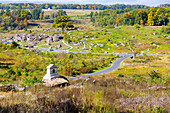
x=6 y=88
x=58 y=46
x=85 y=48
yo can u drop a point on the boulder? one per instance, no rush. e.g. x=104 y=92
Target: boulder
x=61 y=81
x=6 y=88
x=85 y=48
x=58 y=46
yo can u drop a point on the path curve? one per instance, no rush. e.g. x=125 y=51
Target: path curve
x=67 y=44
x=115 y=65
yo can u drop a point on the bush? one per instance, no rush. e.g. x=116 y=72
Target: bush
x=153 y=74
x=120 y=75
x=18 y=73
x=14 y=78
x=167 y=30
x=11 y=72
x=137 y=26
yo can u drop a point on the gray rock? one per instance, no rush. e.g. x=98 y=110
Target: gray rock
x=85 y=48
x=58 y=46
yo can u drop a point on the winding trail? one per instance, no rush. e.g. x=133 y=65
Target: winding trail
x=115 y=65
x=67 y=45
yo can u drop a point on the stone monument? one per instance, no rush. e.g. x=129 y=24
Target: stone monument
x=51 y=73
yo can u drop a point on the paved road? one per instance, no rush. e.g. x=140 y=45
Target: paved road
x=115 y=65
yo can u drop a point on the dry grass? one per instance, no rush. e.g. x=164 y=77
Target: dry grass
x=85 y=95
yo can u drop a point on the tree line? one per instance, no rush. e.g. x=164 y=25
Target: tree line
x=151 y=17
x=18 y=19
x=68 y=6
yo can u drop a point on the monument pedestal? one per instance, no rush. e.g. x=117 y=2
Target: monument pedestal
x=51 y=73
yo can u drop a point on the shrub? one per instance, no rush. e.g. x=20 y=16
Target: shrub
x=153 y=74
x=120 y=75
x=14 y=78
x=11 y=72
x=167 y=30
x=137 y=26
x=18 y=73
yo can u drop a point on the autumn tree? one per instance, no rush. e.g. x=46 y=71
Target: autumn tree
x=41 y=16
x=142 y=15
x=82 y=7
x=25 y=22
x=157 y=16
x=150 y=19
x=118 y=20
x=63 y=22
x=128 y=19
x=25 y=14
x=78 y=7
x=35 y=5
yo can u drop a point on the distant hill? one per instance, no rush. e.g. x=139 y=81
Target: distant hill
x=164 y=5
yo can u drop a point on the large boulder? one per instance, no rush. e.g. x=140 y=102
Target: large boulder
x=59 y=81
x=6 y=88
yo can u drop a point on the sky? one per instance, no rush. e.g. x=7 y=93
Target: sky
x=105 y=2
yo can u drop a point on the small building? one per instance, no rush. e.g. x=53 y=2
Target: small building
x=51 y=73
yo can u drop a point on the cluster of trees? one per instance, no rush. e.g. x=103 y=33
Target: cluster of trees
x=152 y=17
x=17 y=19
x=69 y=6
x=63 y=22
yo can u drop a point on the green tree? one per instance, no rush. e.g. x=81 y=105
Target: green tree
x=61 y=12
x=63 y=22
x=36 y=13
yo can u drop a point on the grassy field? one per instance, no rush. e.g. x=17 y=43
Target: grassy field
x=72 y=12
x=111 y=38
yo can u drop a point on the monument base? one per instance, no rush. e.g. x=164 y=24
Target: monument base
x=48 y=77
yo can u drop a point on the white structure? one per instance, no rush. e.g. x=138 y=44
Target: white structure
x=51 y=73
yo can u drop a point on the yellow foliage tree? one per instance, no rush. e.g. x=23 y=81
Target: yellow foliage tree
x=118 y=20
x=25 y=22
x=150 y=19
